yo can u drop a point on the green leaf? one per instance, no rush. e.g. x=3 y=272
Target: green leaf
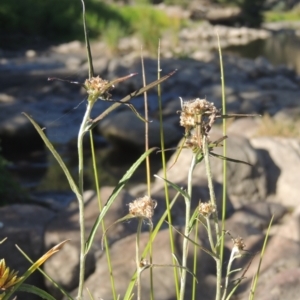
x=35 y=290
x=71 y=181
x=113 y=196
x=175 y=186
x=230 y=159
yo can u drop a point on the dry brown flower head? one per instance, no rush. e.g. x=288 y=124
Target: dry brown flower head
x=206 y=209
x=238 y=244
x=98 y=87
x=142 y=207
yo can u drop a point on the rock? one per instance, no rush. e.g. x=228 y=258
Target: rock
x=246 y=127
x=258 y=214
x=281 y=257
x=23 y=225
x=290 y=228
x=123 y=267
x=17 y=133
x=66 y=226
x=245 y=184
x=285 y=154
x=124 y=128
x=284 y=285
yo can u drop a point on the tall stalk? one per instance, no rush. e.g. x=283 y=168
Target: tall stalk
x=187 y=228
x=81 y=134
x=215 y=246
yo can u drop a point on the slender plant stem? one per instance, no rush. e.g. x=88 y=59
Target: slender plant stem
x=231 y=259
x=187 y=228
x=163 y=158
x=137 y=260
x=97 y=185
x=210 y=236
x=216 y=249
x=81 y=134
x=147 y=169
x=224 y=121
x=195 y=260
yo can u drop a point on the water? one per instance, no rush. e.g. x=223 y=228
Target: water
x=280 y=49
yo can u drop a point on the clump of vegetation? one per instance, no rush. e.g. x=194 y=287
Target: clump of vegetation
x=59 y=20
x=272 y=127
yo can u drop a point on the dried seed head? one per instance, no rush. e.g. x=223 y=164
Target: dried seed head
x=198 y=112
x=238 y=244
x=142 y=207
x=206 y=209
x=198 y=107
x=98 y=87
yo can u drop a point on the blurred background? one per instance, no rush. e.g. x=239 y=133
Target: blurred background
x=37 y=39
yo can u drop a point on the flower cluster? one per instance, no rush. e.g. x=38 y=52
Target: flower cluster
x=98 y=88
x=206 y=209
x=142 y=207
x=238 y=244
x=197 y=114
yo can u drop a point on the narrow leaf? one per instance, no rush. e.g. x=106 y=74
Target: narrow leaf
x=35 y=290
x=175 y=186
x=87 y=43
x=128 y=98
x=230 y=159
x=113 y=196
x=71 y=181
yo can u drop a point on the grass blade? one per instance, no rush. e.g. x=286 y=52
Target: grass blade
x=71 y=181
x=35 y=290
x=128 y=98
x=113 y=196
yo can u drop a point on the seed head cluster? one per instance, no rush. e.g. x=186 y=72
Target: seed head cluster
x=238 y=244
x=142 y=207
x=206 y=209
x=197 y=113
x=98 y=88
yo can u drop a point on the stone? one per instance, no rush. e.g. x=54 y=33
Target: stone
x=17 y=133
x=285 y=153
x=24 y=225
x=245 y=183
x=125 y=128
x=64 y=267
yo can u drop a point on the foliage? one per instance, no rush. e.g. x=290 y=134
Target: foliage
x=252 y=10
x=272 y=127
x=10 y=191
x=58 y=20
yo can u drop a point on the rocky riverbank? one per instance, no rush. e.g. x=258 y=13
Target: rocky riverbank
x=269 y=187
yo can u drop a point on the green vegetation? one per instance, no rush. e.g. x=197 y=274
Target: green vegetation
x=278 y=16
x=10 y=191
x=61 y=20
x=272 y=127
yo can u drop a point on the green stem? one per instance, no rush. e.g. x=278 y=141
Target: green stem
x=231 y=259
x=195 y=260
x=137 y=259
x=216 y=248
x=81 y=134
x=106 y=245
x=187 y=228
